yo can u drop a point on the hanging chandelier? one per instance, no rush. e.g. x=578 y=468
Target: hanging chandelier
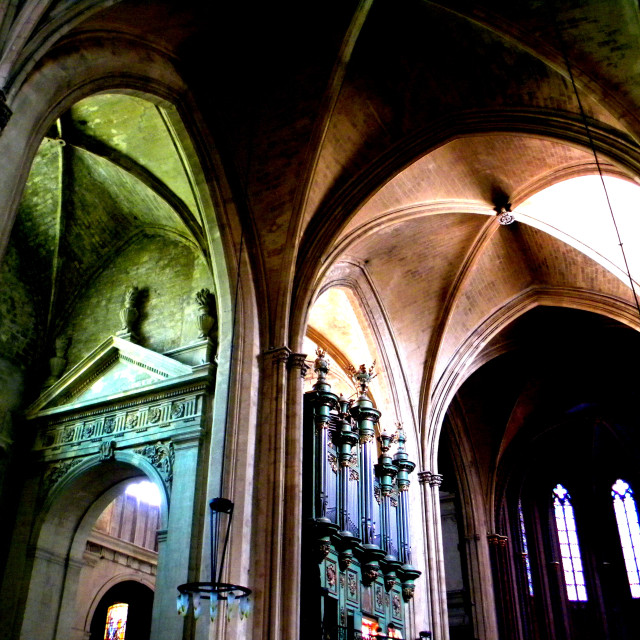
x=232 y=597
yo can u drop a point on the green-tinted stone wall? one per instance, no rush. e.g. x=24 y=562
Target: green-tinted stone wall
x=18 y=318
x=167 y=272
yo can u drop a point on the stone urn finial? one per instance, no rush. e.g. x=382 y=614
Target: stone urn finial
x=206 y=315
x=128 y=313
x=58 y=362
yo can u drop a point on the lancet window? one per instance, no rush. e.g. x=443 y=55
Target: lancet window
x=626 y=511
x=525 y=550
x=569 y=545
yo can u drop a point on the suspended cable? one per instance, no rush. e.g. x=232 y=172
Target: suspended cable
x=592 y=145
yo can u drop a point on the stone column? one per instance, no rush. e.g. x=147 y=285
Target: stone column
x=177 y=546
x=480 y=576
x=293 y=494
x=437 y=587
x=275 y=608
x=499 y=555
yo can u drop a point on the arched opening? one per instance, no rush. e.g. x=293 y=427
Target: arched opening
x=548 y=410
x=112 y=269
x=358 y=562
x=137 y=615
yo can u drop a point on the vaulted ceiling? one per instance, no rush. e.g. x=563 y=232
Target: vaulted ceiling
x=364 y=142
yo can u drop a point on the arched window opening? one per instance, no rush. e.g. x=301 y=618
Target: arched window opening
x=116 y=625
x=525 y=550
x=569 y=545
x=145 y=491
x=626 y=511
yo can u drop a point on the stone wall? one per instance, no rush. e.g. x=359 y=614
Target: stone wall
x=167 y=273
x=18 y=320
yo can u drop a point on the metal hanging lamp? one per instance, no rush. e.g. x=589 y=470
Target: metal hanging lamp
x=231 y=596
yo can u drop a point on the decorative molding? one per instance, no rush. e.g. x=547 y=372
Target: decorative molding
x=352 y=585
x=162 y=456
x=397 y=607
x=107 y=449
x=128 y=422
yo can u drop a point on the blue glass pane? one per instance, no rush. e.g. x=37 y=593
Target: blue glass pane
x=525 y=550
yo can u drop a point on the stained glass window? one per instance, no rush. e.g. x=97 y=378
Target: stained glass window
x=116 y=625
x=624 y=505
x=370 y=628
x=525 y=550
x=569 y=546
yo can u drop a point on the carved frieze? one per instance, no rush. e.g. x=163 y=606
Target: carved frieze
x=125 y=423
x=109 y=425
x=132 y=420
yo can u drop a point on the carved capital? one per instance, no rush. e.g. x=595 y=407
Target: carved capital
x=279 y=355
x=433 y=479
x=497 y=540
x=298 y=361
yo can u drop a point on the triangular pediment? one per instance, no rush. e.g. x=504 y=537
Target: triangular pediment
x=116 y=368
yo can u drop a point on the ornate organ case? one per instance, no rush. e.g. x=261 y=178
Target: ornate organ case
x=356 y=548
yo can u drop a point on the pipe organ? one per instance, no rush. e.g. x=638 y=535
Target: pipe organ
x=357 y=552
